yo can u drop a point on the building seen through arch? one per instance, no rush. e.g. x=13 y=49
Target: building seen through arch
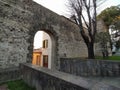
x=42 y=49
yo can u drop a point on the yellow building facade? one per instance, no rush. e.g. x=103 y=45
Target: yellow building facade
x=37 y=54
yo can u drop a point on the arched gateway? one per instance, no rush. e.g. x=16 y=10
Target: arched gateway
x=21 y=19
x=45 y=55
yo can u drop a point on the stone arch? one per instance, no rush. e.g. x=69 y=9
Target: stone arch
x=54 y=38
x=21 y=19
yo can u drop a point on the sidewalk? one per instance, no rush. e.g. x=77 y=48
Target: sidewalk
x=4 y=87
x=114 y=81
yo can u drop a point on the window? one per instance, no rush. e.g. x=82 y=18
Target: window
x=45 y=44
x=45 y=60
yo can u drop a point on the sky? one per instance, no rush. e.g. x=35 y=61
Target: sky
x=38 y=40
x=60 y=7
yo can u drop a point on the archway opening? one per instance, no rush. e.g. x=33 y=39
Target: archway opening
x=44 y=49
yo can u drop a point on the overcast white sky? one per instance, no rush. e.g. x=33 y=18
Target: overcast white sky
x=60 y=7
x=57 y=6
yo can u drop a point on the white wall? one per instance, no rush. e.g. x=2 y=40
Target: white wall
x=47 y=51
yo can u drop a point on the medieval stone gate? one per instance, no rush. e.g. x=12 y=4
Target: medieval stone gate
x=21 y=19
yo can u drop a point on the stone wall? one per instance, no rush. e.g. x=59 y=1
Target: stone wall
x=102 y=68
x=46 y=79
x=13 y=34
x=21 y=19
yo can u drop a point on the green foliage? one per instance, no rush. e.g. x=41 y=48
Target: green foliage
x=18 y=85
x=108 y=15
x=102 y=37
x=109 y=58
x=118 y=44
x=116 y=22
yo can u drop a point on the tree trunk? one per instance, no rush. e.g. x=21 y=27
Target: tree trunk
x=91 y=51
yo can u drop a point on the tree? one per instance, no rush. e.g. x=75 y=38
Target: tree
x=109 y=15
x=116 y=22
x=118 y=44
x=103 y=38
x=84 y=14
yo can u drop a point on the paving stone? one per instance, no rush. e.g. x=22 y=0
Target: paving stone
x=4 y=87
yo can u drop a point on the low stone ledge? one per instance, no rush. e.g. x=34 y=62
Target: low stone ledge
x=46 y=79
x=103 y=68
x=9 y=74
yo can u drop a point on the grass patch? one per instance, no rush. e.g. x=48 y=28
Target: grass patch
x=109 y=58
x=18 y=85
